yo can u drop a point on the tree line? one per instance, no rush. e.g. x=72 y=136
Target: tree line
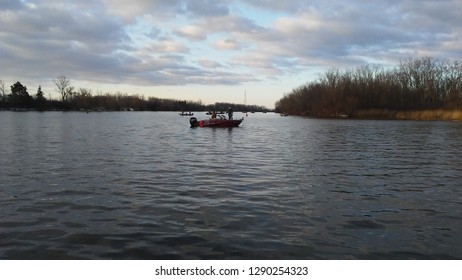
x=415 y=84
x=83 y=99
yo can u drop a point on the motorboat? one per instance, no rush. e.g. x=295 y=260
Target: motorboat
x=186 y=114
x=218 y=122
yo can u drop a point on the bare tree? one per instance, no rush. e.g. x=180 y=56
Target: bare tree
x=63 y=85
x=82 y=98
x=417 y=84
x=2 y=90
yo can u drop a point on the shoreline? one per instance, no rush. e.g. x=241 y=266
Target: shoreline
x=417 y=115
x=362 y=114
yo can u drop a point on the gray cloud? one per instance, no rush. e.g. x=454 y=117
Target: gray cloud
x=207 y=8
x=11 y=5
x=170 y=42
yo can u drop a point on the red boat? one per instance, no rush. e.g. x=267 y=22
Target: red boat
x=219 y=122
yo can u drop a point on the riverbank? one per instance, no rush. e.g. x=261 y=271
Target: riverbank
x=421 y=115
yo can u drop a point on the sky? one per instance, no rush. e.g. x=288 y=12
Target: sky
x=250 y=52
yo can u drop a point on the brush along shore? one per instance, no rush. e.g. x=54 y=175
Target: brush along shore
x=421 y=115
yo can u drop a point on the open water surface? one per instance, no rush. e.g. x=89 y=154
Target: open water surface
x=144 y=185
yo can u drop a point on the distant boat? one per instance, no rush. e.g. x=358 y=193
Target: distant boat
x=218 y=122
x=186 y=114
x=284 y=114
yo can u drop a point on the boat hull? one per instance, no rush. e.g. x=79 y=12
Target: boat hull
x=215 y=122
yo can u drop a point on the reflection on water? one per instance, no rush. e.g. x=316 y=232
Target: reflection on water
x=143 y=185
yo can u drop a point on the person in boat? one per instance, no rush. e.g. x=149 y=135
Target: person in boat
x=230 y=113
x=214 y=115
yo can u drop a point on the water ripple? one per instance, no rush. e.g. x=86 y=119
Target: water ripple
x=146 y=186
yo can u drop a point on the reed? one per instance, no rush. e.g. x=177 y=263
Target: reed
x=431 y=115
x=421 y=115
x=374 y=113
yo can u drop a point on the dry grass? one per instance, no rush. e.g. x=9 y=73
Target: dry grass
x=374 y=114
x=424 y=115
x=431 y=115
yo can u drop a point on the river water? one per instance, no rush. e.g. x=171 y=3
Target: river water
x=144 y=185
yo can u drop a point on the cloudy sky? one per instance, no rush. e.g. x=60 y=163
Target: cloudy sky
x=215 y=51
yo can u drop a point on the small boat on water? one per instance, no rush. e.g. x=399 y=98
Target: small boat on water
x=186 y=114
x=219 y=122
